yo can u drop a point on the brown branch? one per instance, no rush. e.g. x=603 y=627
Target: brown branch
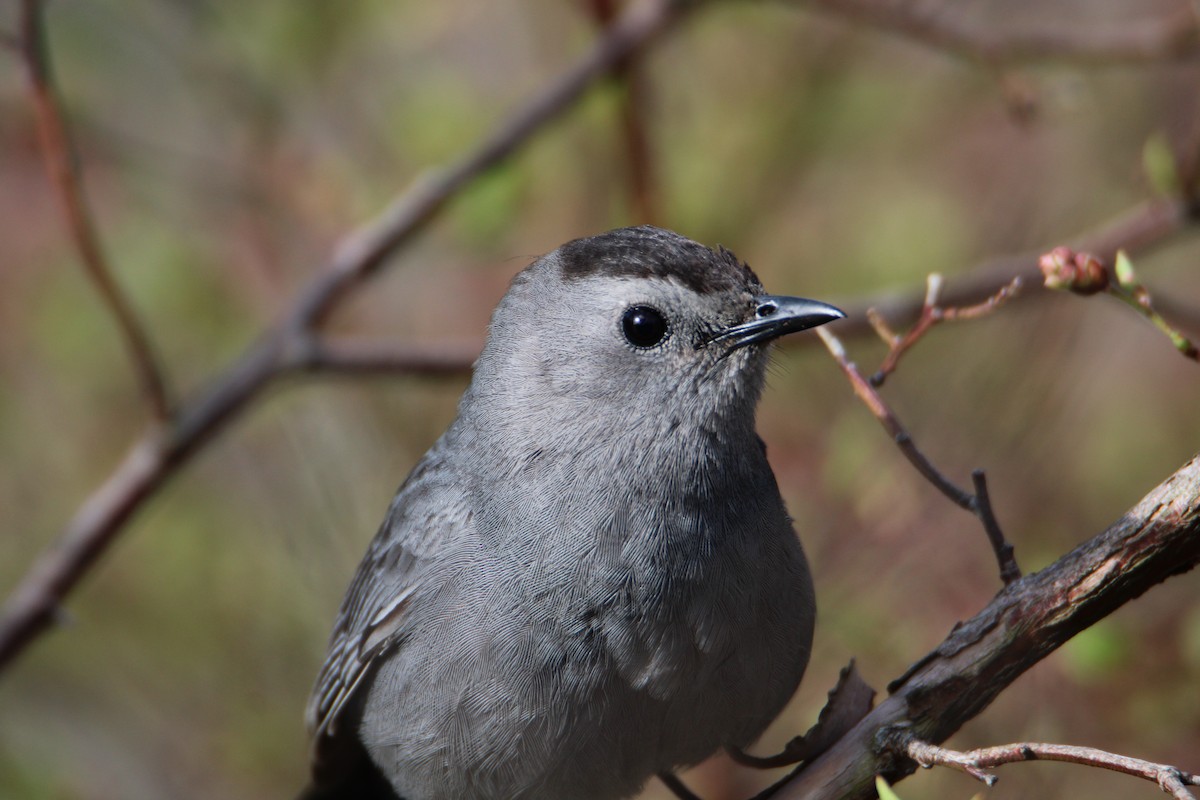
x=1001 y=547
x=58 y=156
x=639 y=160
x=978 y=503
x=1171 y=37
x=32 y=606
x=1025 y=623
x=932 y=313
x=1172 y=780
x=1137 y=230
x=984 y=286
x=323 y=355
x=362 y=254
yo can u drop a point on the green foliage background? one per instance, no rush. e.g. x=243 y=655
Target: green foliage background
x=227 y=147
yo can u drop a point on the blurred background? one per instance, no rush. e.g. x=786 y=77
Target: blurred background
x=227 y=147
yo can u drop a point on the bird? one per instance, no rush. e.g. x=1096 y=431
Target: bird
x=590 y=578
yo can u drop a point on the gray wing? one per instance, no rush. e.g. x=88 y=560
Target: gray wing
x=424 y=518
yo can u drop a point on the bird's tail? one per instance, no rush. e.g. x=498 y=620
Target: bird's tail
x=352 y=776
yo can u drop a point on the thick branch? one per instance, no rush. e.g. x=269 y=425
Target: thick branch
x=1028 y=620
x=60 y=165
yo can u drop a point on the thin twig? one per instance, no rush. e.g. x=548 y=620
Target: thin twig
x=1130 y=290
x=58 y=156
x=1085 y=274
x=1138 y=230
x=160 y=453
x=1171 y=780
x=880 y=410
x=1169 y=37
x=638 y=156
x=982 y=506
x=977 y=505
x=932 y=312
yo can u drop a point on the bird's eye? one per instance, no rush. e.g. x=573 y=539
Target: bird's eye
x=644 y=326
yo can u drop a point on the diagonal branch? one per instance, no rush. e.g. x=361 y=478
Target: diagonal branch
x=979 y=503
x=364 y=252
x=1026 y=622
x=160 y=453
x=57 y=153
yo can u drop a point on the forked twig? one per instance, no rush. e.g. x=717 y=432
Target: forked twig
x=1024 y=623
x=932 y=312
x=978 y=503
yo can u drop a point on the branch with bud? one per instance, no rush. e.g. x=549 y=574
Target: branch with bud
x=1084 y=274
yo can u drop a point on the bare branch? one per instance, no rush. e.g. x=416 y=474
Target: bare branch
x=1003 y=549
x=57 y=153
x=33 y=605
x=978 y=504
x=349 y=357
x=1026 y=622
x=932 y=313
x=1172 y=780
x=159 y=454
x=1170 y=37
x=361 y=254
x=1136 y=230
x=638 y=156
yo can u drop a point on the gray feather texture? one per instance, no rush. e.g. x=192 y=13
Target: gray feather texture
x=591 y=577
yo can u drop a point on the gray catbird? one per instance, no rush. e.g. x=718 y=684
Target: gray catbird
x=590 y=578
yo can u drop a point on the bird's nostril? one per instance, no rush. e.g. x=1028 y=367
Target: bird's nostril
x=767 y=309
